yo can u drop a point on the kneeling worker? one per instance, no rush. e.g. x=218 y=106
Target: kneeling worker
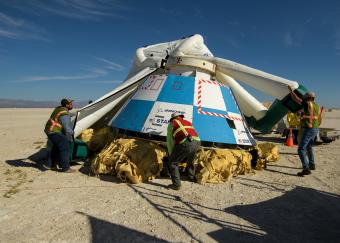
x=59 y=131
x=183 y=143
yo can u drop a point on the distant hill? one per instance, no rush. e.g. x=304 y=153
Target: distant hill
x=14 y=103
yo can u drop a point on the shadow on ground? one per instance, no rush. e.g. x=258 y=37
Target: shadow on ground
x=299 y=215
x=280 y=172
x=272 y=139
x=289 y=153
x=104 y=231
x=35 y=160
x=22 y=163
x=38 y=159
x=283 y=166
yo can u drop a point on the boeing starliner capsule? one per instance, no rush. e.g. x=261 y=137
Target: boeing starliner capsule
x=183 y=76
x=188 y=86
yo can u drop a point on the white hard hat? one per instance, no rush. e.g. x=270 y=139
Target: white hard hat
x=176 y=114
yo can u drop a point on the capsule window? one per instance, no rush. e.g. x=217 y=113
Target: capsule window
x=231 y=124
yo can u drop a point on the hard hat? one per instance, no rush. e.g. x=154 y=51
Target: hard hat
x=176 y=114
x=309 y=95
x=65 y=101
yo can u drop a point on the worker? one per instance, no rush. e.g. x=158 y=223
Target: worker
x=310 y=121
x=182 y=143
x=59 y=131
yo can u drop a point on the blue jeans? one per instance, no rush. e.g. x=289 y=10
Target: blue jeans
x=60 y=149
x=306 y=146
x=182 y=152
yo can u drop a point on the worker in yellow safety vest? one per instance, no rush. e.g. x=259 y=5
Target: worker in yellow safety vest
x=310 y=121
x=183 y=143
x=59 y=131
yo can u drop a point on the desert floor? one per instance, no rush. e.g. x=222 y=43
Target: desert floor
x=273 y=205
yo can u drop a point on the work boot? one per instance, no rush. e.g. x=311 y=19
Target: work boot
x=304 y=172
x=192 y=178
x=174 y=187
x=54 y=168
x=312 y=166
x=69 y=170
x=44 y=167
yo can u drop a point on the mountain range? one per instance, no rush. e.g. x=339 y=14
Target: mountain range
x=17 y=103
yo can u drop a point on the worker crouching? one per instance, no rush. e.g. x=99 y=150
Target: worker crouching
x=183 y=143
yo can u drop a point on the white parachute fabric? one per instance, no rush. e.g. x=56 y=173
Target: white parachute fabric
x=105 y=107
x=152 y=55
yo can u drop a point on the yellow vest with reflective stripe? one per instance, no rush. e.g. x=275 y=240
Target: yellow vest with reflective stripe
x=53 y=124
x=311 y=115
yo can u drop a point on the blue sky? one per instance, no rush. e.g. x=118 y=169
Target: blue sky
x=83 y=49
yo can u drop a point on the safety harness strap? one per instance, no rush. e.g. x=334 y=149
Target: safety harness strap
x=182 y=128
x=320 y=115
x=311 y=116
x=55 y=123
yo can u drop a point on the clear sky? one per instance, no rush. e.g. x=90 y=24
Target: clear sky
x=83 y=49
